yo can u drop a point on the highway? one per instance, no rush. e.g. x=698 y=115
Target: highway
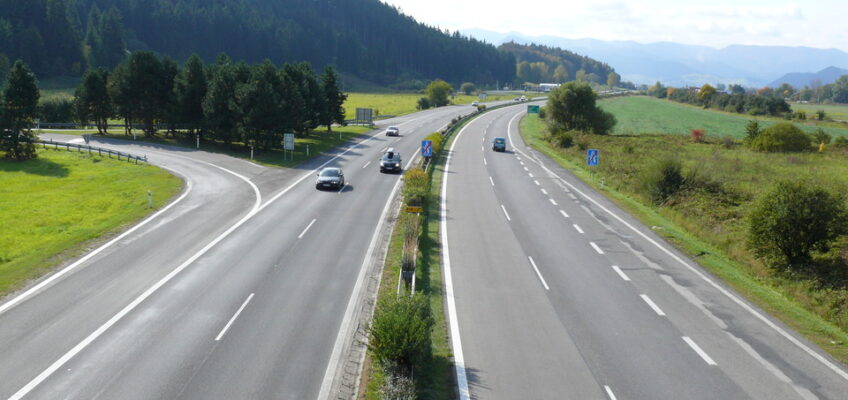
x=246 y=286
x=554 y=292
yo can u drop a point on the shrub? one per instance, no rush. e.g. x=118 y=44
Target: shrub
x=437 y=139
x=582 y=141
x=415 y=187
x=60 y=110
x=562 y=139
x=752 y=130
x=662 y=180
x=400 y=331
x=481 y=108
x=542 y=112
x=781 y=137
x=794 y=219
x=821 y=115
x=697 y=135
x=820 y=136
x=801 y=115
x=423 y=103
x=727 y=142
x=840 y=141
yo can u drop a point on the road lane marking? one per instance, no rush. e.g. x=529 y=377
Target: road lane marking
x=578 y=228
x=306 y=229
x=366 y=164
x=609 y=392
x=539 y=274
x=505 y=213
x=521 y=162
x=526 y=169
x=652 y=304
x=598 y=249
x=491 y=181
x=531 y=175
x=698 y=350
x=621 y=273
x=484 y=161
x=233 y=319
x=553 y=202
x=564 y=214
x=537 y=183
x=573 y=197
x=545 y=192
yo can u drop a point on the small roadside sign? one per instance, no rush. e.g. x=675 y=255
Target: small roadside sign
x=426 y=148
x=592 y=157
x=288 y=141
x=532 y=109
x=414 y=209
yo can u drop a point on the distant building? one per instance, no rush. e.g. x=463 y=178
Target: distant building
x=547 y=87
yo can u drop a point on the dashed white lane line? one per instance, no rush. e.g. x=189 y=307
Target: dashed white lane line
x=482 y=148
x=491 y=181
x=553 y=202
x=531 y=175
x=506 y=213
x=484 y=161
x=598 y=249
x=537 y=183
x=578 y=228
x=366 y=165
x=521 y=162
x=306 y=229
x=652 y=304
x=539 y=274
x=698 y=350
x=545 y=192
x=564 y=214
x=621 y=273
x=609 y=392
x=527 y=169
x=573 y=197
x=233 y=319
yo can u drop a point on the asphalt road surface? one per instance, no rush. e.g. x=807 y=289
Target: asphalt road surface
x=556 y=293
x=237 y=289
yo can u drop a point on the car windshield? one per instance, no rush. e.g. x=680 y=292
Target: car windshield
x=330 y=172
x=499 y=140
x=390 y=156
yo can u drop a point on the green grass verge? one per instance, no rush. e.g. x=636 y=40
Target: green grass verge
x=639 y=114
x=318 y=142
x=52 y=206
x=711 y=229
x=401 y=103
x=835 y=111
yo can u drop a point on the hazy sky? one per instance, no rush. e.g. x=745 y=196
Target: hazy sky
x=716 y=23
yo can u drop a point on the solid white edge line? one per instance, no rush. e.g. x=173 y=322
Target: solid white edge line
x=453 y=320
x=578 y=228
x=595 y=246
x=564 y=214
x=233 y=319
x=138 y=300
x=698 y=350
x=653 y=305
x=306 y=229
x=609 y=393
x=621 y=273
x=539 y=274
x=29 y=292
x=505 y=213
x=786 y=335
x=491 y=181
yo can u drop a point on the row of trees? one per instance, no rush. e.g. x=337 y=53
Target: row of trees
x=366 y=38
x=538 y=64
x=708 y=96
x=225 y=101
x=836 y=92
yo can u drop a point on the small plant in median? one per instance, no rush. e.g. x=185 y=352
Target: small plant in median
x=793 y=220
x=415 y=187
x=400 y=332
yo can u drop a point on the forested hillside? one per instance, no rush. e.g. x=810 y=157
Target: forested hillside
x=537 y=64
x=365 y=38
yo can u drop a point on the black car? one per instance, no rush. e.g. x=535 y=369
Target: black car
x=390 y=161
x=499 y=144
x=330 y=178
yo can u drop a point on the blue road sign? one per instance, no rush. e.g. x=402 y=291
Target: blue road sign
x=592 y=157
x=426 y=148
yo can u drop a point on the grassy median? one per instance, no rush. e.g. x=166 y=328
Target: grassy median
x=712 y=227
x=53 y=207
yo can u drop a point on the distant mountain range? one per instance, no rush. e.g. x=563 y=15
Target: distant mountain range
x=680 y=64
x=801 y=79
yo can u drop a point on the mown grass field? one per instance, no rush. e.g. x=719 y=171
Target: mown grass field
x=834 y=111
x=50 y=207
x=712 y=227
x=642 y=114
x=401 y=103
